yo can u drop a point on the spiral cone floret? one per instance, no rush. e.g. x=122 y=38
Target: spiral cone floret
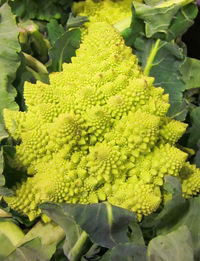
x=98 y=132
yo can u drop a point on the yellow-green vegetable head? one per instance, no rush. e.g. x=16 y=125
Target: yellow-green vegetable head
x=98 y=132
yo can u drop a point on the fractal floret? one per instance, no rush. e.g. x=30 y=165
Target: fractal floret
x=98 y=132
x=110 y=11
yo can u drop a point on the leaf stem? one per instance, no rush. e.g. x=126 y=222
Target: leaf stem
x=77 y=250
x=151 y=57
x=110 y=214
x=35 y=64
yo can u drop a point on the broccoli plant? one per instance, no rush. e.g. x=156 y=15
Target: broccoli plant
x=98 y=132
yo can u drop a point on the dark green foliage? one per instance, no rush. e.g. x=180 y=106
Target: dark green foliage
x=101 y=232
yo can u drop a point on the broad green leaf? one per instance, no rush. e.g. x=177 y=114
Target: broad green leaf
x=156 y=18
x=77 y=241
x=12 y=231
x=55 y=30
x=63 y=49
x=190 y=73
x=6 y=246
x=190 y=218
x=169 y=19
x=41 y=10
x=176 y=245
x=10 y=236
x=39 y=244
x=194 y=131
x=29 y=251
x=110 y=226
x=124 y=252
x=162 y=61
x=181 y=22
x=49 y=234
x=135 y=234
x=9 y=61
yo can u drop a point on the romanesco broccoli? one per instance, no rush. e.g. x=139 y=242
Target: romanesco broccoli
x=101 y=10
x=98 y=132
x=115 y=12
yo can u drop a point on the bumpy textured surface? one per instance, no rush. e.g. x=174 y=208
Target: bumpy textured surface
x=98 y=132
x=110 y=11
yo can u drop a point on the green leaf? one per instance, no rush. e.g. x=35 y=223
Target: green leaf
x=3 y=132
x=6 y=246
x=49 y=234
x=9 y=61
x=39 y=244
x=94 y=253
x=77 y=241
x=197 y=159
x=30 y=251
x=59 y=255
x=162 y=61
x=5 y=191
x=124 y=252
x=12 y=231
x=55 y=30
x=190 y=72
x=167 y=19
x=183 y=20
x=175 y=213
x=194 y=131
x=156 y=18
x=41 y=10
x=38 y=43
x=3 y=169
x=10 y=236
x=12 y=176
x=29 y=70
x=2 y=179
x=135 y=234
x=63 y=49
x=110 y=226
x=76 y=21
x=176 y=245
x=191 y=218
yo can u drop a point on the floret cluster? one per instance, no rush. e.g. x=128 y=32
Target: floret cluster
x=98 y=132
x=109 y=11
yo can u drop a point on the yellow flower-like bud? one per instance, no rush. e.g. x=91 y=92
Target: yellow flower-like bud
x=190 y=178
